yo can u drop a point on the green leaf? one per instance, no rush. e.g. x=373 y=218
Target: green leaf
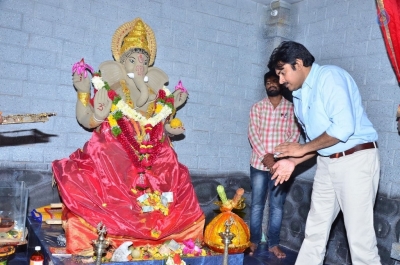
x=116 y=100
x=118 y=115
x=106 y=86
x=116 y=131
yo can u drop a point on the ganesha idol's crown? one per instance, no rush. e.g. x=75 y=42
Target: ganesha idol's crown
x=137 y=38
x=131 y=35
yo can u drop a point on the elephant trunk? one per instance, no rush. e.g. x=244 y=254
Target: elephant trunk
x=144 y=91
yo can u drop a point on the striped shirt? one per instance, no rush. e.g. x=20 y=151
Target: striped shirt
x=270 y=127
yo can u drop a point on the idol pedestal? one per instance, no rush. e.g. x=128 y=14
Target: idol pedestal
x=45 y=235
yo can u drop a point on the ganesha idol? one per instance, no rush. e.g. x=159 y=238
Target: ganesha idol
x=127 y=175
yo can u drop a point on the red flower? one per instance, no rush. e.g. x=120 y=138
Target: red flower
x=148 y=128
x=150 y=150
x=111 y=94
x=161 y=94
x=146 y=163
x=177 y=259
x=142 y=150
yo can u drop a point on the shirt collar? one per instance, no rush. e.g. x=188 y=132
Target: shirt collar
x=269 y=101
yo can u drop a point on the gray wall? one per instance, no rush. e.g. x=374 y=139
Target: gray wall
x=218 y=48
x=214 y=47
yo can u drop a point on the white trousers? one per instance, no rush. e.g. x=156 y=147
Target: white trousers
x=350 y=184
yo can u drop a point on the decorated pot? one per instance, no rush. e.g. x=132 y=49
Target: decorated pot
x=239 y=228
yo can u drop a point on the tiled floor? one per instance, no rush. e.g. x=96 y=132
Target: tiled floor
x=262 y=256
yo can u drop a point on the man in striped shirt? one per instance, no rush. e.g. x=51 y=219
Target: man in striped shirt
x=272 y=122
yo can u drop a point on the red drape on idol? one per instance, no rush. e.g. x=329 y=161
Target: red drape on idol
x=389 y=21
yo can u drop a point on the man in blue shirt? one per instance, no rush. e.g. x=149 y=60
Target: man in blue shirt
x=328 y=106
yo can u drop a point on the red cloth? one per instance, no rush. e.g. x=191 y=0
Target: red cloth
x=95 y=184
x=80 y=235
x=389 y=20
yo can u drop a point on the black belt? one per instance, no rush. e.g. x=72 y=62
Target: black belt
x=356 y=148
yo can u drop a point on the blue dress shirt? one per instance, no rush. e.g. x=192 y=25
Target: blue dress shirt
x=329 y=101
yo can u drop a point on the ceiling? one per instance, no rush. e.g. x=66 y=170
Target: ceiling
x=267 y=2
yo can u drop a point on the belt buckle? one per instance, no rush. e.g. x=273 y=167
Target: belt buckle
x=337 y=155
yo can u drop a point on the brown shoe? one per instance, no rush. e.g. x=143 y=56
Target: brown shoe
x=278 y=252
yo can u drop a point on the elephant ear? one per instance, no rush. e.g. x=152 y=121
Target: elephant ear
x=157 y=78
x=112 y=72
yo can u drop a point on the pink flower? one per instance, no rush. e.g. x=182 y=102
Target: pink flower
x=191 y=248
x=189 y=243
x=180 y=87
x=81 y=67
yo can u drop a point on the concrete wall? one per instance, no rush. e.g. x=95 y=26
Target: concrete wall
x=214 y=47
x=218 y=49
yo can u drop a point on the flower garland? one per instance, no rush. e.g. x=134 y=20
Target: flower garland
x=119 y=108
x=143 y=146
x=162 y=111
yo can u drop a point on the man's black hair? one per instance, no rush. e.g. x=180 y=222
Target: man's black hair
x=287 y=52
x=271 y=73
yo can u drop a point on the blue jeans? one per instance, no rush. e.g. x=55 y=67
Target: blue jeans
x=262 y=186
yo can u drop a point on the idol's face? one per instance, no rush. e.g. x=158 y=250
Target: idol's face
x=137 y=63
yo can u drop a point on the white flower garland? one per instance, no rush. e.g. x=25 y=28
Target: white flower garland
x=133 y=114
x=98 y=83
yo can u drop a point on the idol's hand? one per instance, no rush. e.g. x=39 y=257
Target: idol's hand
x=289 y=149
x=174 y=131
x=81 y=83
x=102 y=104
x=179 y=98
x=282 y=170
